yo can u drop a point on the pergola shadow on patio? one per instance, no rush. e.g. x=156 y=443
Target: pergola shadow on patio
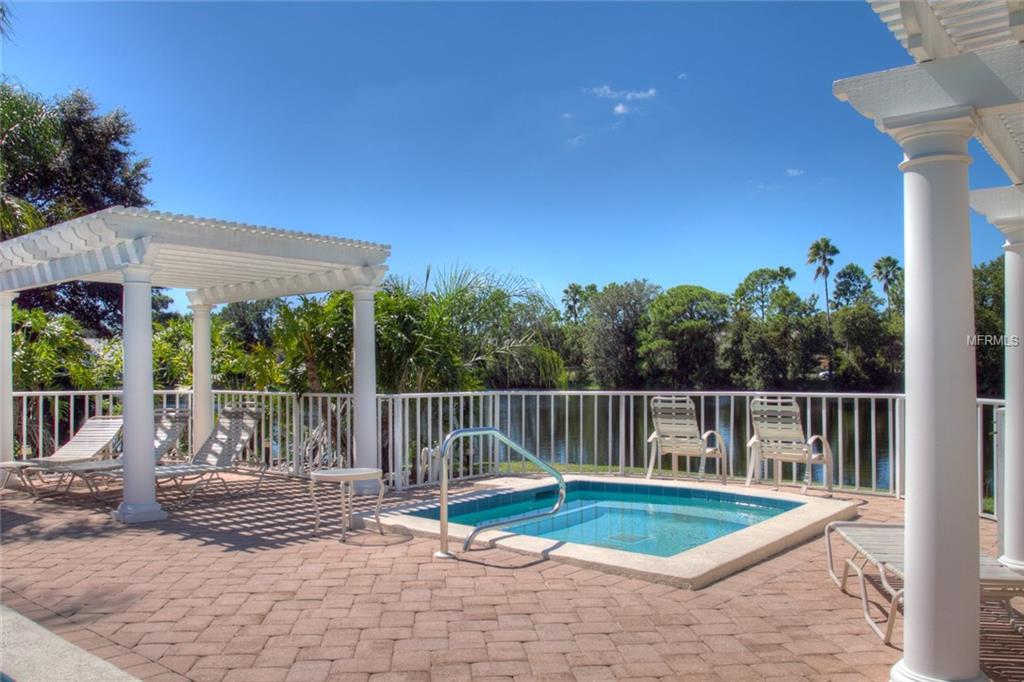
x=240 y=589
x=218 y=262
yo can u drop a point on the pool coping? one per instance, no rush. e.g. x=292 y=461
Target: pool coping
x=691 y=569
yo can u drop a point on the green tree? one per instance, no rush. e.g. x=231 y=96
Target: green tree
x=576 y=300
x=49 y=352
x=853 y=286
x=864 y=353
x=778 y=352
x=889 y=274
x=575 y=304
x=678 y=345
x=821 y=255
x=754 y=293
x=617 y=314
x=62 y=160
x=314 y=339
x=250 y=322
x=990 y=319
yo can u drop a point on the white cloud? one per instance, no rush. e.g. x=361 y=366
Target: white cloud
x=621 y=109
x=795 y=172
x=576 y=141
x=568 y=115
x=644 y=94
x=608 y=93
x=683 y=76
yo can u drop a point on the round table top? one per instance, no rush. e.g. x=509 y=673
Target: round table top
x=338 y=475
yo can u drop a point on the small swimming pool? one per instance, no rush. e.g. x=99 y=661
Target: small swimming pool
x=655 y=520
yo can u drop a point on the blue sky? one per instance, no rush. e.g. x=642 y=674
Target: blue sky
x=683 y=143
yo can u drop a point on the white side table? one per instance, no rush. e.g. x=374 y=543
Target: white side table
x=349 y=477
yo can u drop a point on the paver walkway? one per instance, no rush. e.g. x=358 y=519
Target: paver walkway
x=240 y=590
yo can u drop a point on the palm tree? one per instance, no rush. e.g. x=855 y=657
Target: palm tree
x=887 y=271
x=822 y=255
x=572 y=299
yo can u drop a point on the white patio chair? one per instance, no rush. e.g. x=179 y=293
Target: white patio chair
x=779 y=436
x=881 y=545
x=677 y=434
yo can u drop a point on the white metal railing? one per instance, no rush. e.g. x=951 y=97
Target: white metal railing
x=577 y=431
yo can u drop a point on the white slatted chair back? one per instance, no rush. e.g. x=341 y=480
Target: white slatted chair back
x=236 y=425
x=96 y=438
x=675 y=422
x=168 y=428
x=778 y=428
x=317 y=450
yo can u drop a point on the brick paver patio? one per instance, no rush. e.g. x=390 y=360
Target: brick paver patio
x=240 y=590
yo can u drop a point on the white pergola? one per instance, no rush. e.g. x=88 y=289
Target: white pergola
x=218 y=262
x=968 y=82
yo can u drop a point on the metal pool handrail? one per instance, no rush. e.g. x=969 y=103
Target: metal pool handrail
x=446 y=446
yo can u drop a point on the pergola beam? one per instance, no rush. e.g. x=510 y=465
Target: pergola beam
x=984 y=81
x=78 y=266
x=312 y=283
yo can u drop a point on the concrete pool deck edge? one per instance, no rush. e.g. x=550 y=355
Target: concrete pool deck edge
x=692 y=569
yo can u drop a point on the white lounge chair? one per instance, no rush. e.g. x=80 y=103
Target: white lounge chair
x=677 y=434
x=232 y=435
x=881 y=545
x=168 y=428
x=95 y=440
x=779 y=436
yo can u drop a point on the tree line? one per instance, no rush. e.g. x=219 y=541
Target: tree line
x=458 y=329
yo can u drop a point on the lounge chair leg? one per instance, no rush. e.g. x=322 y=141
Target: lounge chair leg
x=344 y=511
x=263 y=472
x=316 y=507
x=654 y=453
x=380 y=499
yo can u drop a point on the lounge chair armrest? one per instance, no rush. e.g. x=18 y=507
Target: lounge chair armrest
x=826 y=447
x=652 y=437
x=754 y=440
x=719 y=441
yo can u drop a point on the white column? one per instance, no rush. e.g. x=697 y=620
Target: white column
x=941 y=598
x=202 y=375
x=364 y=385
x=1013 y=472
x=139 y=502
x=6 y=377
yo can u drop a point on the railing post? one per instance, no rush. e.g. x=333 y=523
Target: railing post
x=6 y=377
x=298 y=442
x=622 y=435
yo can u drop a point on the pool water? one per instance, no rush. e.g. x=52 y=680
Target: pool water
x=647 y=519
